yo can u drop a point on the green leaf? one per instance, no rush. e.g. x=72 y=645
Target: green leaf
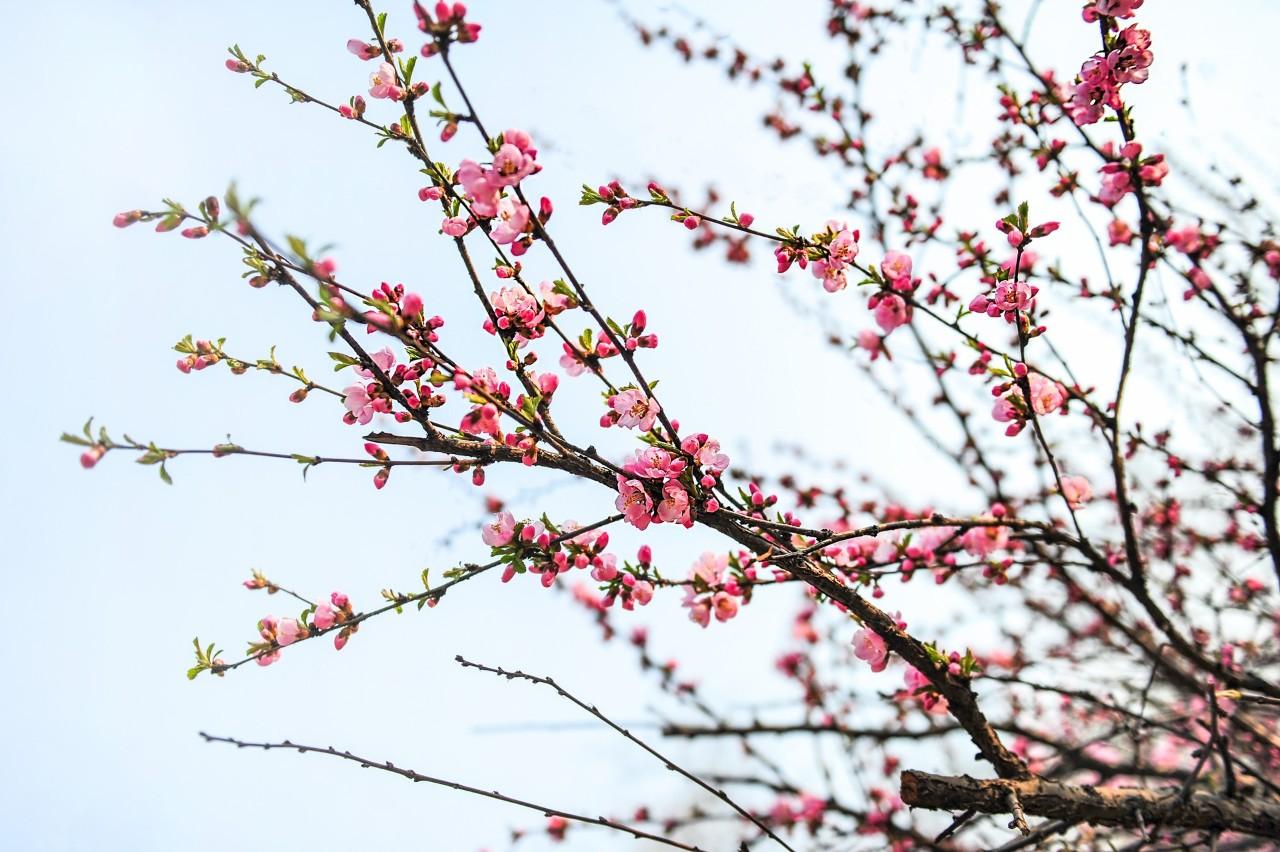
x=164 y=475
x=193 y=671
x=343 y=361
x=75 y=439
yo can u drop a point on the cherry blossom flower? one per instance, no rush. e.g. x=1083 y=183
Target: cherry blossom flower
x=634 y=502
x=891 y=311
x=1077 y=490
x=512 y=219
x=870 y=647
x=634 y=409
x=499 y=531
x=383 y=85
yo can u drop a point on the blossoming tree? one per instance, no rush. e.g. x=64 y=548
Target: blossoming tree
x=1137 y=704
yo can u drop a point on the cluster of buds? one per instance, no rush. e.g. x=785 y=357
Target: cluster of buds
x=199 y=354
x=278 y=633
x=542 y=548
x=1118 y=174
x=1047 y=396
x=353 y=108
x=616 y=198
x=448 y=25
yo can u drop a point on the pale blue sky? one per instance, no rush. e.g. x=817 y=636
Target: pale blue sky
x=110 y=573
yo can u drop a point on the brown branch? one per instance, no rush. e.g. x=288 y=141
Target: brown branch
x=387 y=766
x=1117 y=806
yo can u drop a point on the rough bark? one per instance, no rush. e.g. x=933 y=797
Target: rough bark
x=1120 y=806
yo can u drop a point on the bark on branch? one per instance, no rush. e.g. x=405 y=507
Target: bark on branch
x=1120 y=806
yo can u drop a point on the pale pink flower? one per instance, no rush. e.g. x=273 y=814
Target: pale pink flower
x=324 y=617
x=710 y=457
x=634 y=502
x=870 y=647
x=382 y=83
x=384 y=358
x=983 y=541
x=510 y=165
x=674 y=506
x=517 y=310
x=655 y=463
x=1077 y=490
x=499 y=531
x=891 y=311
x=363 y=49
x=896 y=266
x=724 y=605
x=359 y=403
x=933 y=703
x=1046 y=395
x=455 y=226
x=709 y=568
x=635 y=409
x=512 y=218
x=482 y=193
x=289 y=631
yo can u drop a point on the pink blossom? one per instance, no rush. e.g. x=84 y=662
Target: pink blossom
x=382 y=83
x=324 y=617
x=1110 y=9
x=654 y=463
x=1077 y=490
x=933 y=703
x=870 y=647
x=635 y=409
x=871 y=342
x=385 y=360
x=359 y=404
x=724 y=605
x=709 y=568
x=510 y=165
x=891 y=311
x=363 y=49
x=1046 y=395
x=499 y=531
x=674 y=506
x=288 y=631
x=512 y=220
x=455 y=226
x=517 y=310
x=634 y=502
x=896 y=266
x=983 y=541
x=710 y=457
x=482 y=193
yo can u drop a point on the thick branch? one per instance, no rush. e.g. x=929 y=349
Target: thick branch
x=1119 y=806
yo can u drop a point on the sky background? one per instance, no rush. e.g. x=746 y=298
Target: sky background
x=110 y=573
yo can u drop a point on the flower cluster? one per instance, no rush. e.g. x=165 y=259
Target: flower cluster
x=412 y=382
x=710 y=592
x=1118 y=175
x=1047 y=396
x=319 y=618
x=662 y=487
x=450 y=24
x=518 y=312
x=1126 y=59
x=540 y=547
x=807 y=810
x=485 y=190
